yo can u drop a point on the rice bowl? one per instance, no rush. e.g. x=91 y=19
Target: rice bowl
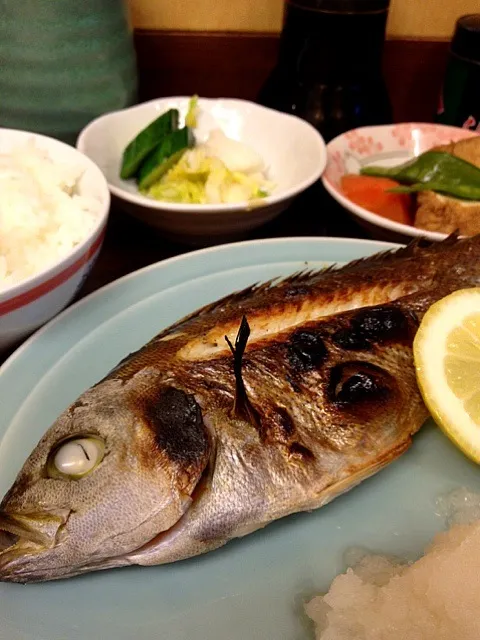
x=42 y=218
x=54 y=206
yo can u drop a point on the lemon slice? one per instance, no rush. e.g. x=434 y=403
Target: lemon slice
x=446 y=352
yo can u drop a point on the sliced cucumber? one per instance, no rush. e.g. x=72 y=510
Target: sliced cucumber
x=166 y=154
x=143 y=144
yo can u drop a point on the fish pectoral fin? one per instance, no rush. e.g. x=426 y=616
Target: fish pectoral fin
x=242 y=407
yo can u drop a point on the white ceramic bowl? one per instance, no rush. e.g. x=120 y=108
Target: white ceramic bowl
x=26 y=306
x=386 y=145
x=294 y=153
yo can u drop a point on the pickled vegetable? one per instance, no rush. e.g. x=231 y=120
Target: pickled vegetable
x=146 y=141
x=164 y=156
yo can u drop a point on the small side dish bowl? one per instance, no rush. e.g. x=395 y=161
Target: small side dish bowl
x=28 y=304
x=386 y=145
x=293 y=151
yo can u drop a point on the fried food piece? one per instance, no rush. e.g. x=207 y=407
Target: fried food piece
x=436 y=212
x=467 y=149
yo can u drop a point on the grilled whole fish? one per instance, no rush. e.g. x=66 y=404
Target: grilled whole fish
x=195 y=440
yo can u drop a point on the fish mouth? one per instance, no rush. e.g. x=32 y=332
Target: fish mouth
x=31 y=549
x=23 y=535
x=41 y=528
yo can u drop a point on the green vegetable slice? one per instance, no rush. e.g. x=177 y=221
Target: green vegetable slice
x=164 y=156
x=434 y=171
x=149 y=138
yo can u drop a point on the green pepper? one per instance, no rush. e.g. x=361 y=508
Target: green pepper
x=433 y=171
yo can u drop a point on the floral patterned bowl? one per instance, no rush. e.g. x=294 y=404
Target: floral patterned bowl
x=386 y=145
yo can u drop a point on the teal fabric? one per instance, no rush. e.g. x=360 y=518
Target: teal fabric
x=63 y=63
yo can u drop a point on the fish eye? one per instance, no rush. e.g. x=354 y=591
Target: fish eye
x=75 y=458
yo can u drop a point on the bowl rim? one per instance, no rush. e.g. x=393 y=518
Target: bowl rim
x=94 y=238
x=211 y=209
x=374 y=218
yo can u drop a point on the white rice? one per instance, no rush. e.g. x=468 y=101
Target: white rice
x=42 y=217
x=435 y=598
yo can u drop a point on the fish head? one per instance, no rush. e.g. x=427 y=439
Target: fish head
x=107 y=478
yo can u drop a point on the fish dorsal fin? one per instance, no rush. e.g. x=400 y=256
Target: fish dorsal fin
x=417 y=245
x=414 y=247
x=242 y=407
x=312 y=276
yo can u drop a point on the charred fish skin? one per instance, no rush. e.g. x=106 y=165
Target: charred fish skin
x=190 y=456
x=351 y=414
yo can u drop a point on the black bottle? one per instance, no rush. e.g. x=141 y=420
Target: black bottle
x=329 y=69
x=460 y=98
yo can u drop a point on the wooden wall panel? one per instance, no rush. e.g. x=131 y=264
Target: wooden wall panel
x=431 y=19
x=181 y=64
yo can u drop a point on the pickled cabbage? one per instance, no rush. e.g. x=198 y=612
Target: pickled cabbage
x=219 y=171
x=202 y=178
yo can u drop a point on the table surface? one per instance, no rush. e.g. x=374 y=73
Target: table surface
x=130 y=245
